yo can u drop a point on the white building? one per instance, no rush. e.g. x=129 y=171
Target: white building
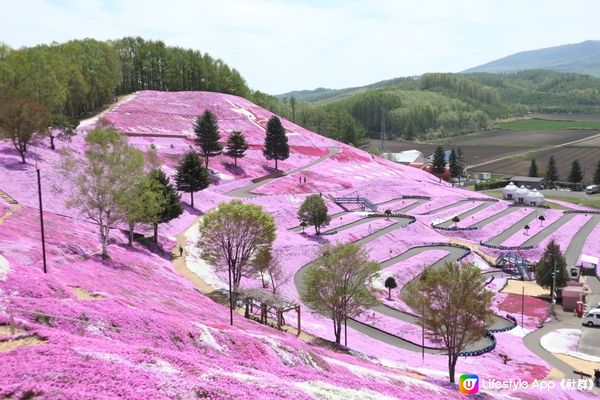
x=522 y=195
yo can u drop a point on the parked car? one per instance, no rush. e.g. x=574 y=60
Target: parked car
x=592 y=318
x=593 y=189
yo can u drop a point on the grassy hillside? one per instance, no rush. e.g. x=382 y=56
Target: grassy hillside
x=583 y=58
x=441 y=105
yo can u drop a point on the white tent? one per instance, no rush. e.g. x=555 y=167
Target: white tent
x=508 y=193
x=521 y=194
x=534 y=198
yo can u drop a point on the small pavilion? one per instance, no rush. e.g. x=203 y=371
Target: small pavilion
x=266 y=302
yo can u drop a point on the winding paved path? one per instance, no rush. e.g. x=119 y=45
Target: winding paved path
x=505 y=234
x=245 y=191
x=466 y=214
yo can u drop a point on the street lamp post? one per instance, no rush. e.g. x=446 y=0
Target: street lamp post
x=230 y=299
x=39 y=182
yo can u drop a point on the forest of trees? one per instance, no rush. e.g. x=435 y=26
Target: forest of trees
x=76 y=77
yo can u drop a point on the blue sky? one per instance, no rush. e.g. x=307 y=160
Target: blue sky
x=280 y=46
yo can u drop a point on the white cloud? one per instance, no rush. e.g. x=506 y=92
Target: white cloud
x=284 y=45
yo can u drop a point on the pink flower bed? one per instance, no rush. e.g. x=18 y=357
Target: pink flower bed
x=534 y=227
x=405 y=330
x=492 y=209
x=536 y=310
x=154 y=336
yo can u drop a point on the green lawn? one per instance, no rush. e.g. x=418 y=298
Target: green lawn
x=546 y=124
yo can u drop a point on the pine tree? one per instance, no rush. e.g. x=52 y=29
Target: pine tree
x=462 y=163
x=455 y=167
x=236 y=146
x=552 y=260
x=191 y=175
x=172 y=207
x=576 y=175
x=597 y=174
x=551 y=171
x=276 y=142
x=207 y=135
x=439 y=162
x=533 y=169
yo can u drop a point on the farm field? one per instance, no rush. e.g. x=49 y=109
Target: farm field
x=524 y=138
x=536 y=124
x=564 y=156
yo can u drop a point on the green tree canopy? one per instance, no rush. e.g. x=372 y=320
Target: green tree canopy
x=276 y=142
x=455 y=307
x=232 y=235
x=191 y=175
x=207 y=135
x=335 y=283
x=99 y=181
x=171 y=209
x=390 y=283
x=21 y=120
x=552 y=171
x=313 y=211
x=551 y=260
x=236 y=146
x=533 y=169
x=576 y=174
x=439 y=161
x=455 y=165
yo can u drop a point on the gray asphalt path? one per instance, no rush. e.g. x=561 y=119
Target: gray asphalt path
x=547 y=231
x=449 y=206
x=494 y=217
x=463 y=216
x=246 y=190
x=399 y=221
x=499 y=239
x=576 y=246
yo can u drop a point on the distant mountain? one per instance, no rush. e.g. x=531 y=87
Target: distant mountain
x=582 y=58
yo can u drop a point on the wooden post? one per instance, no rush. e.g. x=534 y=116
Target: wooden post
x=299 y=326
x=11 y=321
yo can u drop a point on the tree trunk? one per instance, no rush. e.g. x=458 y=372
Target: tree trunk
x=235 y=161
x=131 y=227
x=390 y=293
x=104 y=230
x=276 y=163
x=206 y=160
x=192 y=198
x=337 y=330
x=452 y=366
x=52 y=147
x=155 y=238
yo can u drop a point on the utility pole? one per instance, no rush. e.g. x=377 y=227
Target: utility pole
x=522 y=305
x=231 y=299
x=554 y=289
x=423 y=333
x=39 y=182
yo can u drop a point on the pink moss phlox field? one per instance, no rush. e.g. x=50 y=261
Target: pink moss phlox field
x=132 y=327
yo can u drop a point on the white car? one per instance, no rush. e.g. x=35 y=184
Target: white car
x=592 y=318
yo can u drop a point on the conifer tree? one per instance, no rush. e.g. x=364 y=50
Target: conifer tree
x=171 y=209
x=276 y=142
x=236 y=146
x=207 y=135
x=551 y=171
x=455 y=167
x=597 y=174
x=191 y=175
x=439 y=162
x=533 y=169
x=576 y=174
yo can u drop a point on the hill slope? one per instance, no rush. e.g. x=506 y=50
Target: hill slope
x=582 y=58
x=133 y=327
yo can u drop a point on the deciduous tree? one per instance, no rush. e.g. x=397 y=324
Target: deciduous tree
x=455 y=307
x=597 y=174
x=191 y=175
x=21 y=120
x=313 y=211
x=276 y=142
x=390 y=283
x=98 y=182
x=335 y=283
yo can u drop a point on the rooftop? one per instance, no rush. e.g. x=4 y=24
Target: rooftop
x=527 y=179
